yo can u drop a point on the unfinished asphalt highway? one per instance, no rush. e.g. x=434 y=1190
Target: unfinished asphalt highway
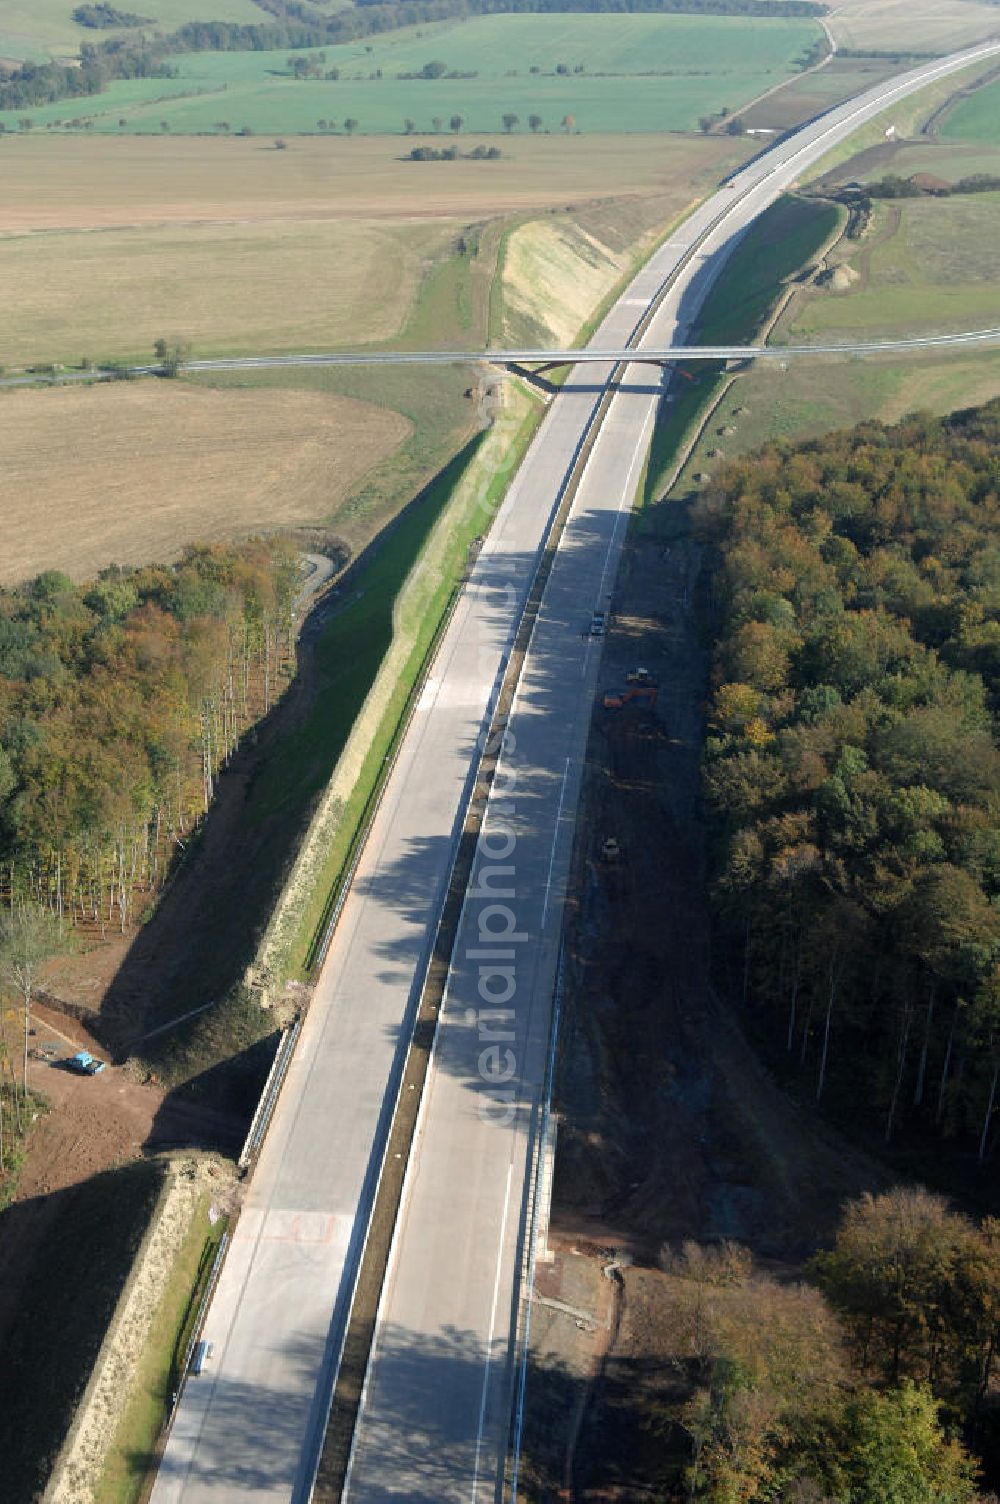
x=442 y=1386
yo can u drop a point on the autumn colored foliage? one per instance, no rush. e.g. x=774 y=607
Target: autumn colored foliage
x=120 y=701
x=851 y=768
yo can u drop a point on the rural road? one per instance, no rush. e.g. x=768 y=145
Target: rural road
x=436 y=1412
x=592 y=355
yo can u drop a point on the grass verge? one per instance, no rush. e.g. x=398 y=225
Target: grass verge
x=134 y=1448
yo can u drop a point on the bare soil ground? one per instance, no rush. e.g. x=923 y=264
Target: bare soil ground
x=92 y=1124
x=808 y=95
x=670 y=1128
x=221 y=463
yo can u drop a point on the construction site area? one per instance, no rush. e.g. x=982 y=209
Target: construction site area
x=673 y=1141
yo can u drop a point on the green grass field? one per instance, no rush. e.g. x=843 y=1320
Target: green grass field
x=37 y=29
x=812 y=398
x=932 y=269
x=976 y=118
x=908 y=116
x=640 y=73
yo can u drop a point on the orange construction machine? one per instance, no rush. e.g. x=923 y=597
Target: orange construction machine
x=640 y=694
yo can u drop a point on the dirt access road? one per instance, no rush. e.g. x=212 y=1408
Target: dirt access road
x=669 y=1127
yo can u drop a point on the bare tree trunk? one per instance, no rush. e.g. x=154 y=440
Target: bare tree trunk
x=806 y=1027
x=831 y=998
x=943 y=1083
x=989 y=1112
x=795 y=992
x=918 y=1091
x=746 y=963
x=27 y=1031
x=901 y=1049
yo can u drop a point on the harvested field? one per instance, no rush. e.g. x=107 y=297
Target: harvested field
x=228 y=288
x=72 y=182
x=329 y=244
x=802 y=98
x=142 y=469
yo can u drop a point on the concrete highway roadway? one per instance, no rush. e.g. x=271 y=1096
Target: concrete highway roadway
x=443 y=1381
x=434 y=1423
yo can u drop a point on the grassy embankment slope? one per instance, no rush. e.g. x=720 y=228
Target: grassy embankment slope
x=68 y=1300
x=775 y=249
x=371 y=653
x=380 y=638
x=637 y=73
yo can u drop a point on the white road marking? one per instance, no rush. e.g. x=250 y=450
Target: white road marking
x=489 y=1339
x=555 y=843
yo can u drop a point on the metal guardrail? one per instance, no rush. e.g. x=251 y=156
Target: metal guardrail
x=199 y=1321
x=529 y=1252
x=269 y=1096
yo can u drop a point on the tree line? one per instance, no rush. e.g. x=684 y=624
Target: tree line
x=103 y=17
x=120 y=702
x=851 y=770
x=894 y=186
x=145 y=55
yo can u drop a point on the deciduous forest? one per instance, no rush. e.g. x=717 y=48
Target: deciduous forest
x=873 y=1388
x=120 y=701
x=851 y=770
